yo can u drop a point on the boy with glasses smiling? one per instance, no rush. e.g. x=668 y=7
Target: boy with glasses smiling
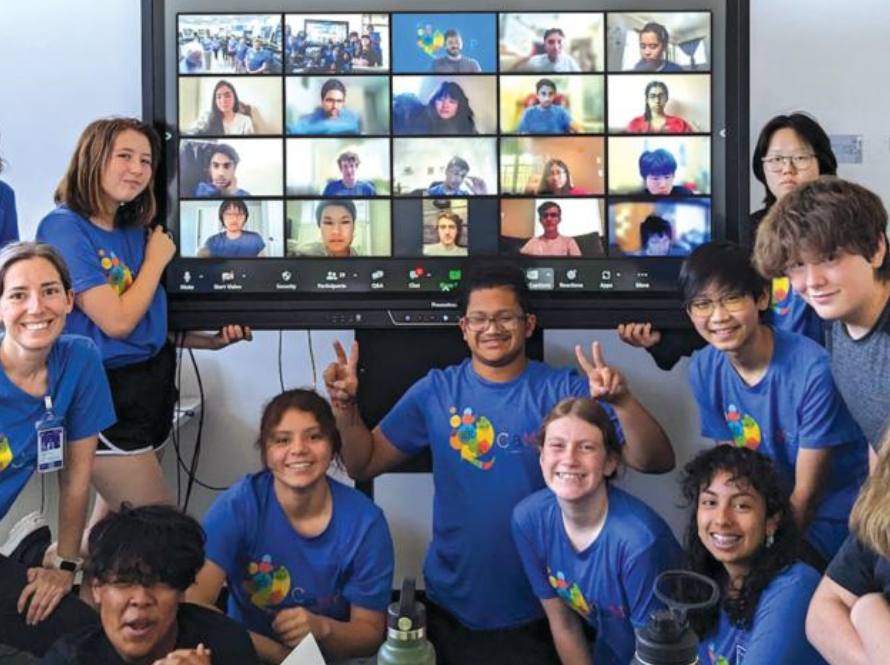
x=479 y=419
x=771 y=391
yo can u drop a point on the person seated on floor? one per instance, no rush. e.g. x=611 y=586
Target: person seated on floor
x=141 y=561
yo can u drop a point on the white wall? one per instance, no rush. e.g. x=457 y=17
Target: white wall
x=84 y=63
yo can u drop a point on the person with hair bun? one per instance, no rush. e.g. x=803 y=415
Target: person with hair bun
x=590 y=550
x=301 y=552
x=742 y=534
x=654 y=41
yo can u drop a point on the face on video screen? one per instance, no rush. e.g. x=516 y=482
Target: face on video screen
x=658 y=228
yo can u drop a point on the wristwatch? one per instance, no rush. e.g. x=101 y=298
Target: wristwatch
x=60 y=563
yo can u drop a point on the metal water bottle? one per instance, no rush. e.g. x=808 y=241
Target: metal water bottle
x=406 y=642
x=667 y=639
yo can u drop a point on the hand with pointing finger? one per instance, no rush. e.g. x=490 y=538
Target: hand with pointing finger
x=606 y=383
x=341 y=377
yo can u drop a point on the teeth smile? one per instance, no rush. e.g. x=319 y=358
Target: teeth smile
x=37 y=326
x=722 y=540
x=566 y=475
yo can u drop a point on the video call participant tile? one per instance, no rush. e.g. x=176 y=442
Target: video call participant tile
x=660 y=166
x=552 y=104
x=231 y=228
x=552 y=227
x=337 y=105
x=660 y=104
x=444 y=167
x=444 y=105
x=444 y=43
x=230 y=44
x=338 y=167
x=547 y=43
x=658 y=228
x=230 y=167
x=338 y=228
x=337 y=43
x=659 y=42
x=230 y=106
x=552 y=166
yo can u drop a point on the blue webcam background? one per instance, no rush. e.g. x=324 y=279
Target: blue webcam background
x=476 y=30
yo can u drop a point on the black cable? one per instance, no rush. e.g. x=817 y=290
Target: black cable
x=196 y=454
x=281 y=359
x=179 y=345
x=312 y=359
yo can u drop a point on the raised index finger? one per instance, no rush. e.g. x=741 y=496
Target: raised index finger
x=353 y=358
x=582 y=360
x=598 y=360
x=341 y=354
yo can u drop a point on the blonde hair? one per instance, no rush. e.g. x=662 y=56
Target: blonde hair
x=81 y=187
x=870 y=519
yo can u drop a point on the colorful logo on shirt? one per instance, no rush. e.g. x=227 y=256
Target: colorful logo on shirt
x=714 y=658
x=118 y=274
x=268 y=586
x=781 y=295
x=473 y=437
x=5 y=452
x=745 y=430
x=570 y=592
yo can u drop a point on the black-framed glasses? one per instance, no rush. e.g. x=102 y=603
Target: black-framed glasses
x=502 y=320
x=776 y=163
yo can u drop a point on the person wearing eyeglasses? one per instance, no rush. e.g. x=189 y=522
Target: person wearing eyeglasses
x=654 y=119
x=550 y=242
x=479 y=419
x=791 y=151
x=772 y=391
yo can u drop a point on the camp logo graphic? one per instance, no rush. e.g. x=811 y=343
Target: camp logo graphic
x=570 y=592
x=714 y=658
x=745 y=430
x=5 y=452
x=473 y=437
x=118 y=274
x=266 y=585
x=781 y=296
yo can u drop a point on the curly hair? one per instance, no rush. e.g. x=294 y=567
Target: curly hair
x=756 y=472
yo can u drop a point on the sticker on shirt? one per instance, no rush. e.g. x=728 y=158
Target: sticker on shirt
x=473 y=437
x=570 y=592
x=118 y=273
x=267 y=585
x=745 y=430
x=782 y=296
x=5 y=452
x=714 y=658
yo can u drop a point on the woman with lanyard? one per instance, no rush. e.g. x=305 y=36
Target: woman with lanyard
x=101 y=227
x=54 y=400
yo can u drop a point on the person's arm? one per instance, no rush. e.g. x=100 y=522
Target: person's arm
x=360 y=635
x=829 y=627
x=646 y=445
x=226 y=336
x=870 y=617
x=366 y=454
x=810 y=469
x=666 y=347
x=47 y=586
x=117 y=315
x=568 y=634
x=205 y=592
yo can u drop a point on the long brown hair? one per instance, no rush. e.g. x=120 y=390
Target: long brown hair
x=81 y=187
x=870 y=519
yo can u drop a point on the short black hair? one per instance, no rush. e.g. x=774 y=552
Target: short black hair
x=654 y=225
x=233 y=203
x=657 y=162
x=551 y=31
x=492 y=275
x=809 y=131
x=222 y=149
x=659 y=31
x=542 y=82
x=725 y=264
x=154 y=544
x=547 y=205
x=327 y=203
x=333 y=84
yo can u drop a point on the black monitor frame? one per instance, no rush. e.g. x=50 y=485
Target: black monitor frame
x=601 y=309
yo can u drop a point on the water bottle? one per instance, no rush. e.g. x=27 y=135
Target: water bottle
x=406 y=642
x=667 y=639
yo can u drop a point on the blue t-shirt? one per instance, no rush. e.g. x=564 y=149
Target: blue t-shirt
x=539 y=120
x=247 y=245
x=255 y=59
x=9 y=224
x=339 y=188
x=270 y=567
x=610 y=583
x=789 y=311
x=795 y=405
x=96 y=257
x=209 y=190
x=777 y=632
x=481 y=435
x=440 y=190
x=318 y=122
x=80 y=395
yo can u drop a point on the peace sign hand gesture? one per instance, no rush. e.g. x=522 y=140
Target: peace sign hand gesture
x=341 y=377
x=606 y=383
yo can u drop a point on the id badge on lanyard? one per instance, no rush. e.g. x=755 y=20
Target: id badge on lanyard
x=50 y=439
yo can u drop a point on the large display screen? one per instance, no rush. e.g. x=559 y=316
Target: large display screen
x=370 y=155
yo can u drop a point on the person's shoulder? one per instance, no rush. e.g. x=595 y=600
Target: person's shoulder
x=60 y=219
x=77 y=348
x=799 y=579
x=534 y=507
x=356 y=502
x=793 y=351
x=640 y=523
x=5 y=191
x=215 y=630
x=79 y=647
x=537 y=370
